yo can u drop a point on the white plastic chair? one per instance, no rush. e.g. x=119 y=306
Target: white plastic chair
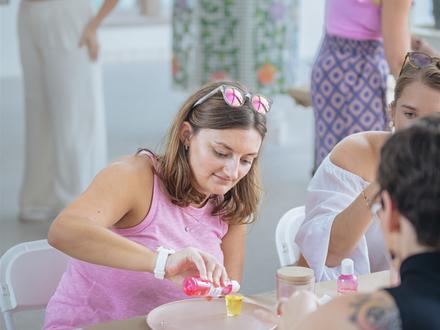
x=29 y=275
x=287 y=228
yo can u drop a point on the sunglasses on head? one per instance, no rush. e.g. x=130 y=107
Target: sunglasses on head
x=419 y=60
x=235 y=97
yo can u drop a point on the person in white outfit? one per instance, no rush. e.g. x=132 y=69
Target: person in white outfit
x=338 y=222
x=65 y=121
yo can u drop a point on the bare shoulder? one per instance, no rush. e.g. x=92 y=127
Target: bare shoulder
x=122 y=178
x=359 y=153
x=361 y=311
x=129 y=181
x=119 y=194
x=132 y=168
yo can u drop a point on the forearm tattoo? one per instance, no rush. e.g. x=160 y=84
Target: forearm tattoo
x=372 y=312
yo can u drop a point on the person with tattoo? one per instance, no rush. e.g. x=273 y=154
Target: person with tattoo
x=407 y=206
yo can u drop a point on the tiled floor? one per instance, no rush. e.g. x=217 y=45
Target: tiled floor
x=140 y=104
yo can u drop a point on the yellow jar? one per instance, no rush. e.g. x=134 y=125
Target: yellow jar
x=293 y=278
x=233 y=304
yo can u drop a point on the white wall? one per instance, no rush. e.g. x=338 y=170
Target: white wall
x=9 y=57
x=311 y=27
x=422 y=13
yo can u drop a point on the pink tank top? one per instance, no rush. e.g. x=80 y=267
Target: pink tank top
x=353 y=19
x=89 y=294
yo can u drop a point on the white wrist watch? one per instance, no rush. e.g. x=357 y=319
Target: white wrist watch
x=161 y=261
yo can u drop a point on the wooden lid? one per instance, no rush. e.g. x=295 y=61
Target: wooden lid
x=296 y=274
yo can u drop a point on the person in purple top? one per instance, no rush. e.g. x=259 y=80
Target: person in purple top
x=149 y=220
x=364 y=41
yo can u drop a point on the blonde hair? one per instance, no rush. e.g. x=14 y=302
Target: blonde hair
x=428 y=75
x=239 y=205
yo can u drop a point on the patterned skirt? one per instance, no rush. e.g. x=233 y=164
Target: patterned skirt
x=348 y=88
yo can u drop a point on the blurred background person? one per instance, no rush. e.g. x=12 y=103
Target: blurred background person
x=364 y=41
x=64 y=110
x=338 y=222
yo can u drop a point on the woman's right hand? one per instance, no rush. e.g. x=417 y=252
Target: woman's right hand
x=89 y=39
x=193 y=262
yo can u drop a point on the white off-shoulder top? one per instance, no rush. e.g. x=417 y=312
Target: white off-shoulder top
x=330 y=191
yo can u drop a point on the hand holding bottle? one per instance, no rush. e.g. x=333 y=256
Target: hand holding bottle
x=193 y=262
x=195 y=286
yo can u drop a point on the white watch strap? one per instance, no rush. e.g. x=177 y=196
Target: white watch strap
x=161 y=261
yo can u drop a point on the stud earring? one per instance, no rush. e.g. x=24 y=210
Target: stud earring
x=391 y=126
x=186 y=147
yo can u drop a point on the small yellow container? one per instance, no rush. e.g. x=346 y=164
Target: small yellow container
x=233 y=304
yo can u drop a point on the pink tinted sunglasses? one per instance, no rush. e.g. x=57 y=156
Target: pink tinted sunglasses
x=235 y=97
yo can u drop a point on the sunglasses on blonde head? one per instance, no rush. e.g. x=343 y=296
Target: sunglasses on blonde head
x=419 y=60
x=235 y=97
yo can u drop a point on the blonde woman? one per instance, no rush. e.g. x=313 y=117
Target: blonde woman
x=338 y=222
x=407 y=204
x=195 y=198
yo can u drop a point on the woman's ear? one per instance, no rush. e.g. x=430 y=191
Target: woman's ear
x=185 y=133
x=392 y=112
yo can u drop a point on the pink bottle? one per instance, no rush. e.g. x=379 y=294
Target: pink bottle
x=347 y=281
x=195 y=286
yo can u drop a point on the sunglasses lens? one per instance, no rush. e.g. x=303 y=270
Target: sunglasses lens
x=420 y=60
x=233 y=97
x=260 y=103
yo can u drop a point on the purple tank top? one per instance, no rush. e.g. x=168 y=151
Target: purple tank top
x=89 y=294
x=353 y=19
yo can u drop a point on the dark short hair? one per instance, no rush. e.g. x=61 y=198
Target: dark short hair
x=409 y=170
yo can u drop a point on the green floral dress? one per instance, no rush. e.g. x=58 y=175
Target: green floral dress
x=251 y=41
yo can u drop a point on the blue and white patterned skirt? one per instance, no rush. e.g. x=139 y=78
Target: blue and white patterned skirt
x=348 y=91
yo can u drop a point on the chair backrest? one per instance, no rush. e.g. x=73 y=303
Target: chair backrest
x=287 y=228
x=29 y=275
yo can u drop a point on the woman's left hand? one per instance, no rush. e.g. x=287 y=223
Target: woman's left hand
x=291 y=311
x=90 y=40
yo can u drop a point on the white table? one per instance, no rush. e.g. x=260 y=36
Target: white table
x=367 y=283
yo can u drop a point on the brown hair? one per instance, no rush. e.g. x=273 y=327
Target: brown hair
x=428 y=75
x=238 y=205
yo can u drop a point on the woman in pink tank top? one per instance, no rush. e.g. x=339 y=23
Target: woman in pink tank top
x=147 y=220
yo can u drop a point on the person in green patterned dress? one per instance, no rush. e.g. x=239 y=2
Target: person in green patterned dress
x=253 y=42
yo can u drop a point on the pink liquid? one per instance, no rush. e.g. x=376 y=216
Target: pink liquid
x=194 y=286
x=347 y=284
